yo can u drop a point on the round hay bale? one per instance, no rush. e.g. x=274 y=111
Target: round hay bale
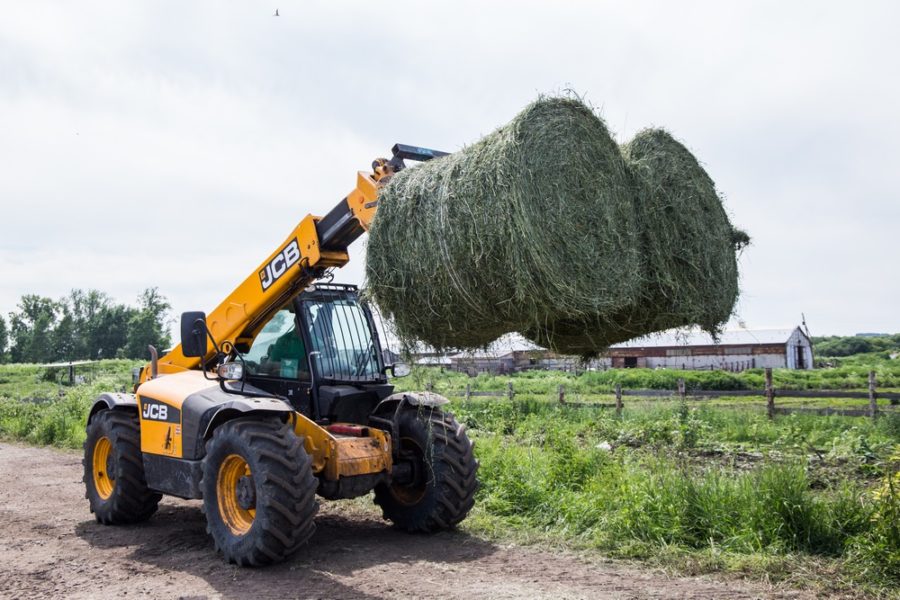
x=688 y=265
x=535 y=223
x=688 y=243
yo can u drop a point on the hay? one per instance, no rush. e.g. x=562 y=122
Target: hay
x=688 y=263
x=546 y=227
x=688 y=241
x=495 y=237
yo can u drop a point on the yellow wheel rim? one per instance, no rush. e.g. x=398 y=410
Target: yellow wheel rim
x=104 y=482
x=238 y=517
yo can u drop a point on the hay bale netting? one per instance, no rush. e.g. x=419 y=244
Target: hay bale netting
x=688 y=246
x=533 y=223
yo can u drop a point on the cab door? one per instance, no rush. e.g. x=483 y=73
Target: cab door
x=278 y=361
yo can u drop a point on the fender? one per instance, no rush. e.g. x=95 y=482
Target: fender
x=216 y=415
x=395 y=401
x=113 y=400
x=386 y=415
x=205 y=410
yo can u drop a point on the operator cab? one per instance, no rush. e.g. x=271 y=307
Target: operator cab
x=323 y=354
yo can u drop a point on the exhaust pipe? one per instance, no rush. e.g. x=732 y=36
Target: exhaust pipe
x=154 y=362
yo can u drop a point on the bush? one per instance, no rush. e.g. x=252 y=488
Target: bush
x=55 y=420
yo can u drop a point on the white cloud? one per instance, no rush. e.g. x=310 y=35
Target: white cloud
x=176 y=144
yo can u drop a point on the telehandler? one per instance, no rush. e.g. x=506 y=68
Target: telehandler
x=279 y=394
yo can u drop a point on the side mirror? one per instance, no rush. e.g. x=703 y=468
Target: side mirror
x=193 y=334
x=400 y=369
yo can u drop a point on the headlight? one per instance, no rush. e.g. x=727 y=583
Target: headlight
x=231 y=370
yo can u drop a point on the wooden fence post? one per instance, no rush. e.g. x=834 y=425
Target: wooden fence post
x=873 y=396
x=561 y=391
x=770 y=394
x=468 y=391
x=510 y=393
x=618 y=399
x=681 y=389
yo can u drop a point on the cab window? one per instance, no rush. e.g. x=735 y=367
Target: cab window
x=278 y=350
x=343 y=346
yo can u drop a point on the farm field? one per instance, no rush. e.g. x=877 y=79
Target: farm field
x=803 y=501
x=51 y=547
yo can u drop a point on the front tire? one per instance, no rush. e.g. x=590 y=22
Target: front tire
x=440 y=490
x=258 y=491
x=114 y=470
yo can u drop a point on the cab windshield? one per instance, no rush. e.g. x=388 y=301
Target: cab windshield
x=278 y=350
x=342 y=345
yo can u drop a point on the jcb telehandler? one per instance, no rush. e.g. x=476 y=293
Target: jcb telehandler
x=279 y=394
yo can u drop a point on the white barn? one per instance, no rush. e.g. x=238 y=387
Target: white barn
x=736 y=350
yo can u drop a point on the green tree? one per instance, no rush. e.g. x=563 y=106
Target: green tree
x=4 y=339
x=86 y=324
x=148 y=326
x=89 y=309
x=111 y=339
x=65 y=338
x=31 y=329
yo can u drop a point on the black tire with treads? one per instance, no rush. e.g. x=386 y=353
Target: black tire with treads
x=131 y=500
x=443 y=491
x=284 y=484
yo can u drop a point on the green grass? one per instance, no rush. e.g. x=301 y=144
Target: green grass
x=38 y=406
x=694 y=487
x=852 y=376
x=39 y=384
x=681 y=483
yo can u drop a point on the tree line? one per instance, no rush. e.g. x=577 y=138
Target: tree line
x=856 y=344
x=85 y=325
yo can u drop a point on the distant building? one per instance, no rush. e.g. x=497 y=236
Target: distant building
x=736 y=350
x=434 y=361
x=509 y=354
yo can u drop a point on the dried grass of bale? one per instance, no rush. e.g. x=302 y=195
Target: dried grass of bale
x=547 y=227
x=688 y=245
x=535 y=219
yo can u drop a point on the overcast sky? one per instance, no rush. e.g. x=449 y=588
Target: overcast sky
x=177 y=144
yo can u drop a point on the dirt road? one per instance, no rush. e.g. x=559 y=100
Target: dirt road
x=51 y=547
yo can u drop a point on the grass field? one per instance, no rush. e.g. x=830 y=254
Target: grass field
x=847 y=376
x=695 y=487
x=37 y=405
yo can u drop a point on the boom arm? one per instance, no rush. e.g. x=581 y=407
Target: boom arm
x=315 y=244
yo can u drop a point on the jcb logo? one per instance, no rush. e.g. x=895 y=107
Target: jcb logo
x=157 y=412
x=152 y=410
x=279 y=265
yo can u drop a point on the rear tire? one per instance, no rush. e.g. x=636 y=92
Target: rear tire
x=258 y=491
x=442 y=490
x=114 y=470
